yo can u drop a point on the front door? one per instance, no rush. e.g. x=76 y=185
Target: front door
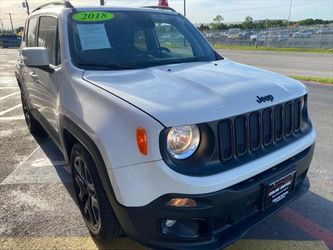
x=47 y=81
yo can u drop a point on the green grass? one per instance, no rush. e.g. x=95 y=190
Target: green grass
x=277 y=49
x=328 y=80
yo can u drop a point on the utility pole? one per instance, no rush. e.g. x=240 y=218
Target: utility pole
x=1 y=24
x=184 y=7
x=291 y=3
x=11 y=21
x=27 y=6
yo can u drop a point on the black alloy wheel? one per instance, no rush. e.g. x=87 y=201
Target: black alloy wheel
x=91 y=197
x=86 y=192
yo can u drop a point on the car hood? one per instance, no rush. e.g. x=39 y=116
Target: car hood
x=191 y=93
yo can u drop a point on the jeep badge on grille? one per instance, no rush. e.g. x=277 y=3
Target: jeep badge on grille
x=265 y=98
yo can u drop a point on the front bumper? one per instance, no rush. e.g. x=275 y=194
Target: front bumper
x=222 y=216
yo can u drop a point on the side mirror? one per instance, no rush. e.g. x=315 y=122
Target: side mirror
x=36 y=57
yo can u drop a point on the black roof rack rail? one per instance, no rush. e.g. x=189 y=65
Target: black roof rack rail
x=66 y=4
x=159 y=7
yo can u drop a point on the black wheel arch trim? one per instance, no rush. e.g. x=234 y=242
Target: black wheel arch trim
x=67 y=124
x=19 y=80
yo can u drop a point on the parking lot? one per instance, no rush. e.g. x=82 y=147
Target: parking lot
x=275 y=37
x=38 y=211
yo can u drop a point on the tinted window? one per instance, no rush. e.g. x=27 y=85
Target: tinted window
x=171 y=39
x=47 y=37
x=140 y=40
x=32 y=33
x=133 y=39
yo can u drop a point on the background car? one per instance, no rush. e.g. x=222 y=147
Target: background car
x=10 y=40
x=302 y=34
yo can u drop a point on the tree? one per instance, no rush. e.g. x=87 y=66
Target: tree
x=218 y=19
x=217 y=23
x=19 y=29
x=248 y=23
x=203 y=27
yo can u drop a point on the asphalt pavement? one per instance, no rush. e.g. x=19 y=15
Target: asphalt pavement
x=38 y=211
x=287 y=63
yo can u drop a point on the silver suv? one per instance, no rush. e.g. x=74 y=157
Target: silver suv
x=167 y=141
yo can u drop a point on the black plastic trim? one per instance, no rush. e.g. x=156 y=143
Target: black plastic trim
x=68 y=125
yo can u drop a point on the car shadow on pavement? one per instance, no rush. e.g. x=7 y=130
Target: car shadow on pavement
x=56 y=158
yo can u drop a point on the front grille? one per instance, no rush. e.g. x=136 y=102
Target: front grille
x=255 y=131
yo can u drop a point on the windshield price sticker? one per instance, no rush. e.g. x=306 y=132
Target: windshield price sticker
x=92 y=16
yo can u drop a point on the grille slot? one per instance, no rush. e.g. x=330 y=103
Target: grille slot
x=226 y=140
x=240 y=132
x=267 y=126
x=278 y=123
x=297 y=115
x=254 y=131
x=288 y=119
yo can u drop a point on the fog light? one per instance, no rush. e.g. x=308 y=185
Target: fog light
x=181 y=228
x=182 y=202
x=170 y=223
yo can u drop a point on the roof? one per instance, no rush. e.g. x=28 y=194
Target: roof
x=57 y=9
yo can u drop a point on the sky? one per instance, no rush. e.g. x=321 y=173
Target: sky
x=198 y=11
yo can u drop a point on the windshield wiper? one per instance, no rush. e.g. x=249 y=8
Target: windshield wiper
x=105 y=65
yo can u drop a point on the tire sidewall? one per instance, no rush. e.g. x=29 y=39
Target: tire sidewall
x=80 y=151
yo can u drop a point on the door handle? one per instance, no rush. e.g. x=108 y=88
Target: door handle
x=20 y=61
x=33 y=76
x=20 y=64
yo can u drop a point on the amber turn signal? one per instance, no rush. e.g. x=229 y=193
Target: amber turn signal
x=182 y=202
x=141 y=139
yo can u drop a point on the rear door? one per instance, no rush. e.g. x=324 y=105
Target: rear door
x=29 y=73
x=47 y=81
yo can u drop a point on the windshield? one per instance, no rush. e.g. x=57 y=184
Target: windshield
x=134 y=39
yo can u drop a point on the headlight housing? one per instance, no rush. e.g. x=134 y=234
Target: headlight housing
x=183 y=141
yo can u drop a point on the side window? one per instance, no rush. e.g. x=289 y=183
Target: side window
x=58 y=57
x=32 y=33
x=171 y=38
x=47 y=37
x=140 y=40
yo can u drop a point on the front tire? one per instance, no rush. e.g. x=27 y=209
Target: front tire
x=91 y=197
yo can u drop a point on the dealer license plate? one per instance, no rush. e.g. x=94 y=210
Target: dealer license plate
x=278 y=190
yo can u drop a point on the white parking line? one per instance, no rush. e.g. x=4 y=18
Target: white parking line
x=9 y=87
x=7 y=96
x=12 y=118
x=28 y=157
x=10 y=109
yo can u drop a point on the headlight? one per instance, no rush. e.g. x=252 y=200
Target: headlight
x=183 y=141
